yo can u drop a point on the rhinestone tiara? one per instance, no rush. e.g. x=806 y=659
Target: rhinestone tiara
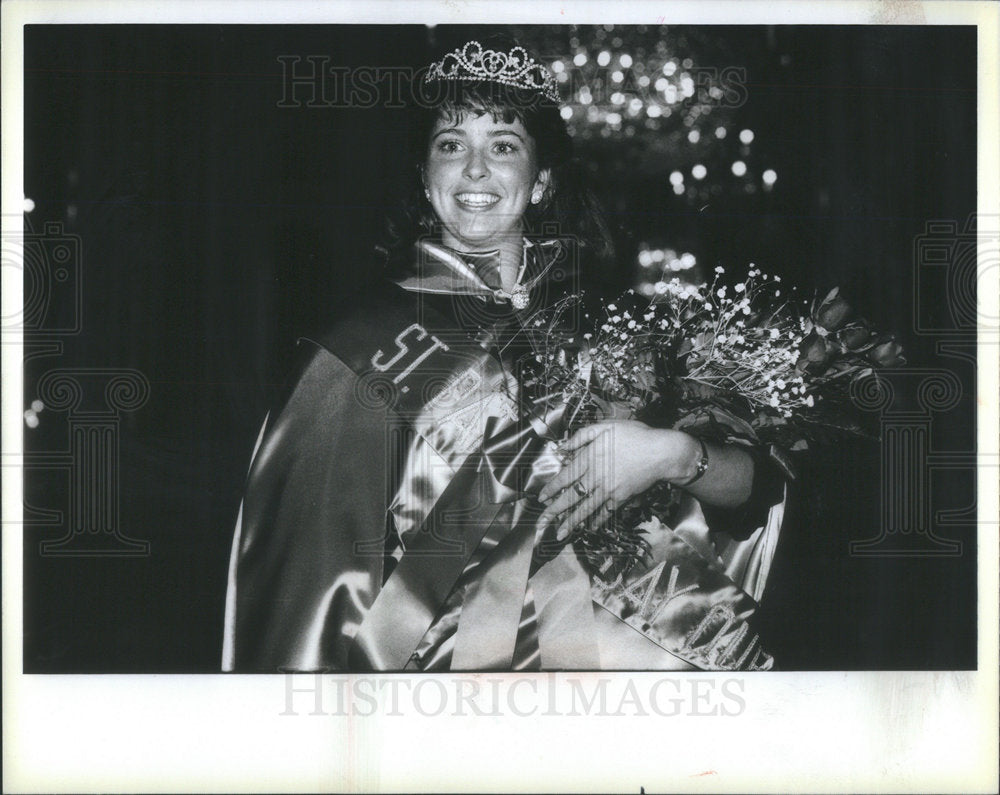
x=513 y=68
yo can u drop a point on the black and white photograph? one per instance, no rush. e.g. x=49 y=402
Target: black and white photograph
x=475 y=371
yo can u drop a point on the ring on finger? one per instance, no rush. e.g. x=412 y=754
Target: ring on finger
x=580 y=489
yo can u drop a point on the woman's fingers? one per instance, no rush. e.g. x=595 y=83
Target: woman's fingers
x=557 y=485
x=583 y=457
x=573 y=470
x=579 y=513
x=584 y=436
x=565 y=500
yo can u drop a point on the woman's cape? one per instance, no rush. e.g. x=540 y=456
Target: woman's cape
x=309 y=587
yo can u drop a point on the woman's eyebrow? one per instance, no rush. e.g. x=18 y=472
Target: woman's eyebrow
x=492 y=133
x=450 y=131
x=516 y=134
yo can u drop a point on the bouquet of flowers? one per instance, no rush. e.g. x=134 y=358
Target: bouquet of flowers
x=749 y=364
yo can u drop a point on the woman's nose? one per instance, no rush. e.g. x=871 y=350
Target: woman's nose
x=475 y=165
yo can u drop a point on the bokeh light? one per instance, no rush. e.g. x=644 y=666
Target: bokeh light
x=659 y=129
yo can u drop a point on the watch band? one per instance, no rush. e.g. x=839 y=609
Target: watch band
x=702 y=466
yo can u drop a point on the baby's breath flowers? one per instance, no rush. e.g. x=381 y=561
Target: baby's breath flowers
x=746 y=362
x=743 y=353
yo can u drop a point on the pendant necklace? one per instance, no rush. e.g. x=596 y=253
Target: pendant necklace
x=518 y=295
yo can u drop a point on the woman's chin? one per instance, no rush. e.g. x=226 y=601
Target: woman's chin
x=473 y=242
x=484 y=239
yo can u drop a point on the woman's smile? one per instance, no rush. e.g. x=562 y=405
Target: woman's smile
x=477 y=202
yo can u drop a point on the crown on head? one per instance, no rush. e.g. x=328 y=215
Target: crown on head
x=513 y=68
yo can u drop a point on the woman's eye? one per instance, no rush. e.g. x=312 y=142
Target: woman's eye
x=449 y=147
x=506 y=147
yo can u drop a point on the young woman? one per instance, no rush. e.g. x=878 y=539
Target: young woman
x=408 y=508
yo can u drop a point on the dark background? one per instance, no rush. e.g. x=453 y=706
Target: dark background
x=215 y=226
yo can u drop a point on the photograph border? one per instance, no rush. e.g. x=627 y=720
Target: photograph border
x=769 y=732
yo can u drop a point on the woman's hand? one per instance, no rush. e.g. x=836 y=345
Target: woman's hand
x=609 y=463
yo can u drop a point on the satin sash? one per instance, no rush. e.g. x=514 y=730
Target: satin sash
x=685 y=603
x=438 y=380
x=516 y=459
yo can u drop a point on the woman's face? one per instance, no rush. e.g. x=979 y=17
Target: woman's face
x=480 y=175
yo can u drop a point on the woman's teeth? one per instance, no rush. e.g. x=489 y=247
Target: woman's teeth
x=477 y=200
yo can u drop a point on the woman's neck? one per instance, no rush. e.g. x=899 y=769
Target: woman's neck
x=511 y=248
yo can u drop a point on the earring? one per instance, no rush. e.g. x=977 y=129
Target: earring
x=536 y=197
x=427 y=194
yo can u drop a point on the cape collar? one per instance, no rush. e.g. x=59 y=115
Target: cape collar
x=440 y=269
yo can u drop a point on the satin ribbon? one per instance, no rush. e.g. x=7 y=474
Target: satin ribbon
x=490 y=617
x=567 y=632
x=521 y=458
x=434 y=559
x=516 y=459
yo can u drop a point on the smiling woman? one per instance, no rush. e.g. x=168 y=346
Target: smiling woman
x=415 y=504
x=480 y=175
